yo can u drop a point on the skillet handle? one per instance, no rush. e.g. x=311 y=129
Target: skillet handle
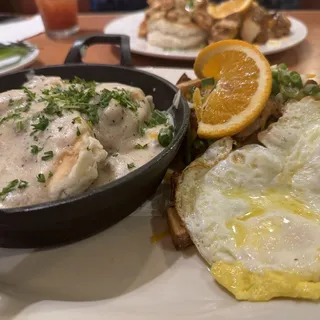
x=77 y=51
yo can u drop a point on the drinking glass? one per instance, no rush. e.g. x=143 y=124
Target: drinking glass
x=60 y=17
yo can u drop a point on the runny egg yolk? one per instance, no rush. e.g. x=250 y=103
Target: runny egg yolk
x=270 y=200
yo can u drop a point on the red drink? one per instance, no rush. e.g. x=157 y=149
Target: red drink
x=59 y=17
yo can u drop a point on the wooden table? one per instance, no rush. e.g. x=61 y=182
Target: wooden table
x=304 y=58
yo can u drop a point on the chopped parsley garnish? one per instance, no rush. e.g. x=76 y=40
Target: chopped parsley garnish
x=81 y=96
x=15 y=113
x=35 y=149
x=30 y=95
x=42 y=124
x=157 y=117
x=12 y=185
x=52 y=109
x=139 y=146
x=141 y=129
x=45 y=92
x=105 y=97
x=115 y=154
x=50 y=174
x=48 y=155
x=77 y=96
x=131 y=165
x=20 y=126
x=23 y=184
x=76 y=120
x=41 y=178
x=17 y=102
x=10 y=115
x=122 y=96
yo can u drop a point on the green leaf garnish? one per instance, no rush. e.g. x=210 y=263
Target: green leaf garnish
x=35 y=149
x=42 y=124
x=122 y=96
x=23 y=184
x=81 y=96
x=13 y=103
x=141 y=129
x=157 y=117
x=41 y=178
x=20 y=126
x=139 y=146
x=31 y=96
x=76 y=120
x=131 y=165
x=10 y=115
x=11 y=186
x=52 y=109
x=48 y=155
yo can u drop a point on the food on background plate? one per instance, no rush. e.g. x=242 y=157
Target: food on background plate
x=171 y=24
x=60 y=138
x=251 y=205
x=187 y=24
x=12 y=53
x=224 y=9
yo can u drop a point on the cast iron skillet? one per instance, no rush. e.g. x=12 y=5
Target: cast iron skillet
x=77 y=217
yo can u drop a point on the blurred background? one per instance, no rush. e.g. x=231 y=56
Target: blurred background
x=29 y=7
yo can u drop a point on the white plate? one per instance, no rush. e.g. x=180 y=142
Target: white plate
x=129 y=25
x=120 y=274
x=23 y=63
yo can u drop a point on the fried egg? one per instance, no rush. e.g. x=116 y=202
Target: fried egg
x=254 y=213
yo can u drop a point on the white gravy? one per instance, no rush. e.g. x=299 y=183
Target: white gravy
x=70 y=155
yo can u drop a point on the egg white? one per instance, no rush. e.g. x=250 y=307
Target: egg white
x=260 y=205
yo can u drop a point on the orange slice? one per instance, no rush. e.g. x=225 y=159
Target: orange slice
x=224 y=9
x=244 y=82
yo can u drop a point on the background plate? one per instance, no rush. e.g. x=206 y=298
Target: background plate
x=129 y=25
x=121 y=274
x=23 y=63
